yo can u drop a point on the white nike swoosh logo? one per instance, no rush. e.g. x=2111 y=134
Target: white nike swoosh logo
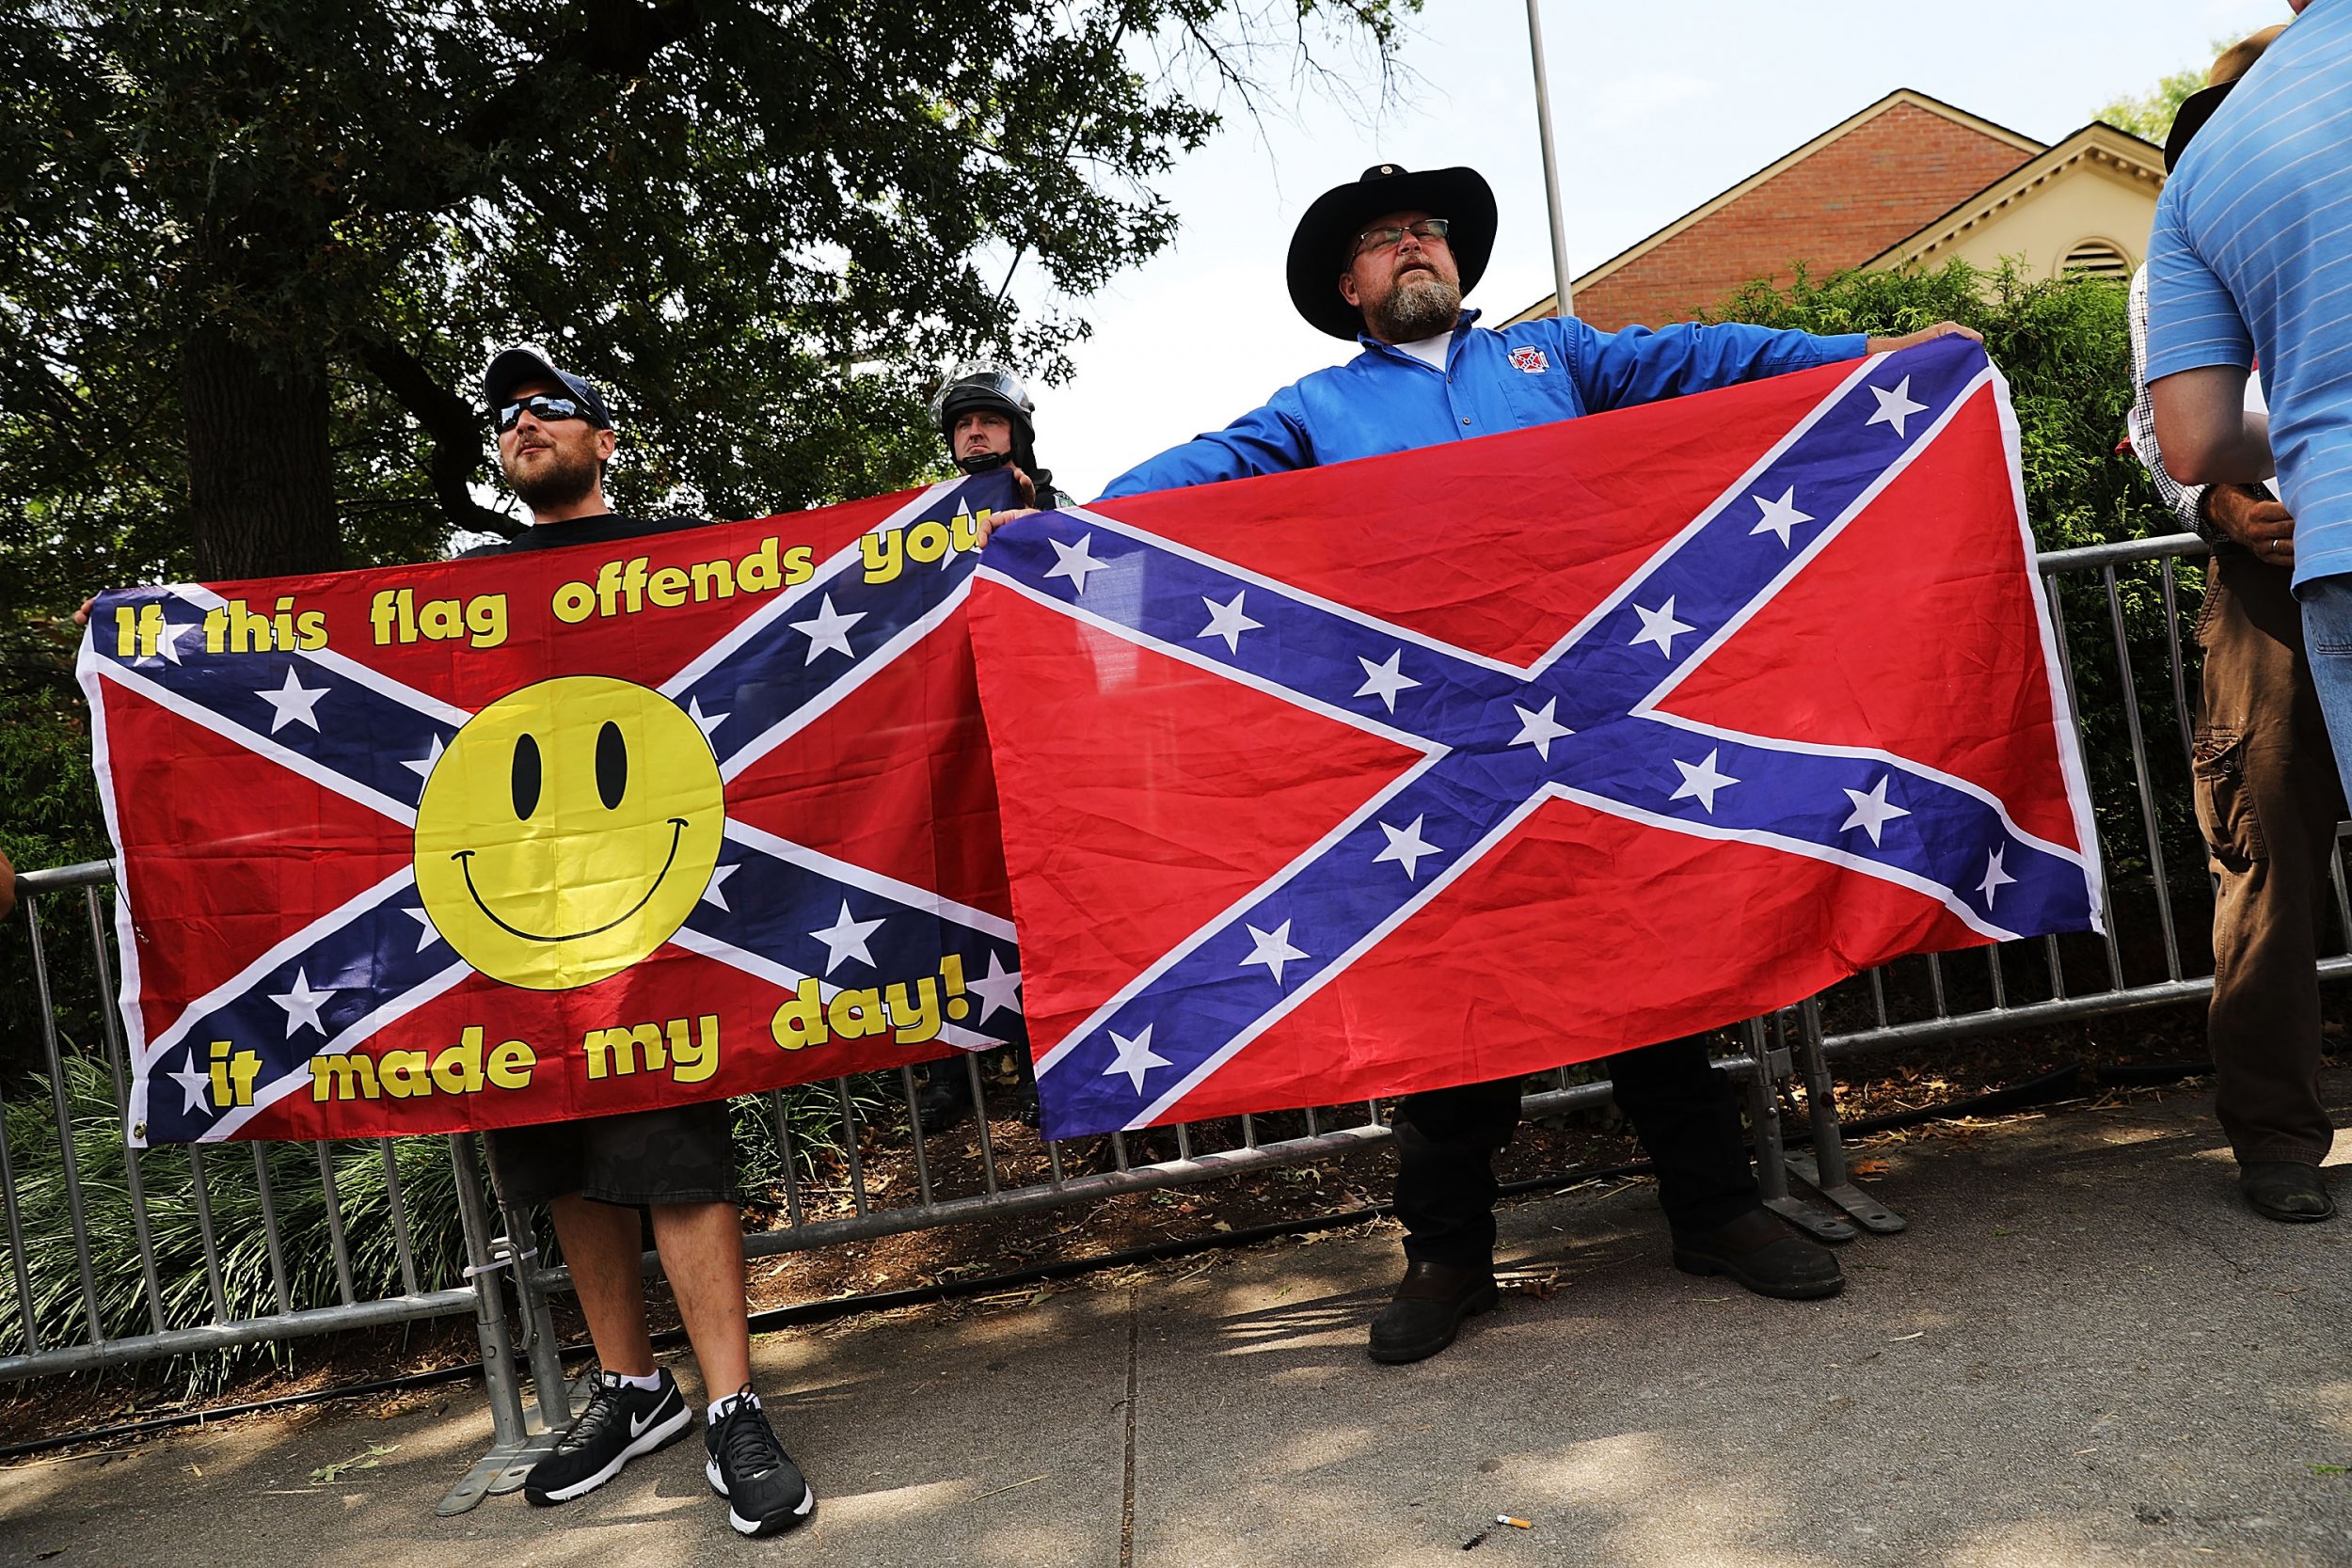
x=637 y=1427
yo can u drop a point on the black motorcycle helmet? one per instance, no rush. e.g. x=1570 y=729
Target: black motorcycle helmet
x=996 y=390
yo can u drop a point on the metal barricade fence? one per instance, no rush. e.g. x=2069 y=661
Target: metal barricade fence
x=932 y=1181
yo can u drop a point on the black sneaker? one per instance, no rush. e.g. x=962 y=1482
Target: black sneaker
x=620 y=1423
x=764 y=1489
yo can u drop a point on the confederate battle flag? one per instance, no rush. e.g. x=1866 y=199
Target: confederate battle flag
x=553 y=833
x=1474 y=761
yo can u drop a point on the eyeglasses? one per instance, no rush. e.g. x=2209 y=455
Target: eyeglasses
x=544 y=407
x=1382 y=238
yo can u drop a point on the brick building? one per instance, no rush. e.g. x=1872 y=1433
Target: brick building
x=1908 y=181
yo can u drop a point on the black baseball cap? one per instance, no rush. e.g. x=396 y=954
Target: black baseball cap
x=510 y=367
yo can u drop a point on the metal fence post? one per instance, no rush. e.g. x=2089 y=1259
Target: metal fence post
x=509 y=1432
x=550 y=1392
x=1824 y=1163
x=1771 y=1066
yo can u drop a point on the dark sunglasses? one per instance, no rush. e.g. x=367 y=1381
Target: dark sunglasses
x=1382 y=238
x=545 y=407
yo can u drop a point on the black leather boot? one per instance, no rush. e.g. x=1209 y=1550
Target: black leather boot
x=2285 y=1190
x=1762 y=1253
x=943 y=1096
x=1430 y=1302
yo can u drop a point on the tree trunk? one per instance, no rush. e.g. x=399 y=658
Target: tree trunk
x=260 y=474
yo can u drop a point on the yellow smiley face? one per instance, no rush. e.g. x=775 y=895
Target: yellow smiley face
x=567 y=830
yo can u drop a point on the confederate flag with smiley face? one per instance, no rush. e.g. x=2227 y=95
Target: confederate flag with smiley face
x=557 y=832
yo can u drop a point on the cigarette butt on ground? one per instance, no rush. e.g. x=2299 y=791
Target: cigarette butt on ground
x=1515 y=1524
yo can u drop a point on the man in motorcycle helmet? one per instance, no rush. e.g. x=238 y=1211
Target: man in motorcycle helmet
x=986 y=417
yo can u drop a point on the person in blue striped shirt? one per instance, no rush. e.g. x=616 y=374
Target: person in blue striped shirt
x=2250 y=268
x=2267 y=800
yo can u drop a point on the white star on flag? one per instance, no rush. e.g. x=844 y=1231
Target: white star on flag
x=827 y=630
x=719 y=876
x=962 y=518
x=423 y=767
x=1271 y=948
x=1228 y=622
x=1870 y=812
x=168 y=641
x=999 y=987
x=1135 y=1059
x=1537 y=728
x=846 y=939
x=1780 y=516
x=1894 y=406
x=1701 y=779
x=704 y=721
x=193 y=1083
x=428 y=936
x=1074 y=562
x=292 y=703
x=1405 y=846
x=1660 y=627
x=1994 y=878
x=1384 y=681
x=302 y=1005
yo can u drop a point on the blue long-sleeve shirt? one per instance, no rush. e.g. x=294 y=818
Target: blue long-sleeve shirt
x=1385 y=400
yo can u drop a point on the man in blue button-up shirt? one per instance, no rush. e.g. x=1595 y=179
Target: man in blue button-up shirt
x=1386 y=261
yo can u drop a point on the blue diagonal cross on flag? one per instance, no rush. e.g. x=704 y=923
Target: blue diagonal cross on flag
x=1589 y=721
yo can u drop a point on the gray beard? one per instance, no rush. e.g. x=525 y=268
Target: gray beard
x=565 y=483
x=1421 y=307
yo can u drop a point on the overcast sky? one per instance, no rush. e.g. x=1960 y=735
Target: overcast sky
x=1656 y=107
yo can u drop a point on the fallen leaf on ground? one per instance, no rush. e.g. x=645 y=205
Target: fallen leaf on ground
x=327 y=1475
x=1543 y=1287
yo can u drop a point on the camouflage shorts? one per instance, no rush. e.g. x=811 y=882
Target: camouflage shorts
x=678 y=1154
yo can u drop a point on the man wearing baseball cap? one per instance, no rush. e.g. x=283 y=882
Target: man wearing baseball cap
x=1384 y=262
x=676 y=1164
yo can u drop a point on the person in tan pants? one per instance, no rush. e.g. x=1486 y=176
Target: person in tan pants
x=2267 y=795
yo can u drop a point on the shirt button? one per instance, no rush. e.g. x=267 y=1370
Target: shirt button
x=1465 y=421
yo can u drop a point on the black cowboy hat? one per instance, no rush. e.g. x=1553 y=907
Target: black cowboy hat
x=1320 y=249
x=2197 y=107
x=2190 y=117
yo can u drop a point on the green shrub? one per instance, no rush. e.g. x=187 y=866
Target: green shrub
x=365 y=1171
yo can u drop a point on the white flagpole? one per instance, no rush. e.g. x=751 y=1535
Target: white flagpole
x=1551 y=169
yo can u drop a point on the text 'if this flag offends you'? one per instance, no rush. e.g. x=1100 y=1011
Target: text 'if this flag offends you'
x=554 y=833
x=1444 y=767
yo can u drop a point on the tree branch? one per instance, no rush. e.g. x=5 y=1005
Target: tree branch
x=620 y=41
x=453 y=424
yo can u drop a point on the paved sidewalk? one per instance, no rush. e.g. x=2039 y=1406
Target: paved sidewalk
x=2085 y=1351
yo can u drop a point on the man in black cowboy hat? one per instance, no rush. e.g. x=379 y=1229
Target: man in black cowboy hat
x=1385 y=261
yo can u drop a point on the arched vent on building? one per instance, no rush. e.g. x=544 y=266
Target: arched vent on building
x=2099 y=257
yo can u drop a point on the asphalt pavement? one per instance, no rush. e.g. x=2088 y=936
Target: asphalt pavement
x=2084 y=1351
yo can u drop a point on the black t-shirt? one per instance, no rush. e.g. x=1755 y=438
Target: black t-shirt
x=603 y=529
